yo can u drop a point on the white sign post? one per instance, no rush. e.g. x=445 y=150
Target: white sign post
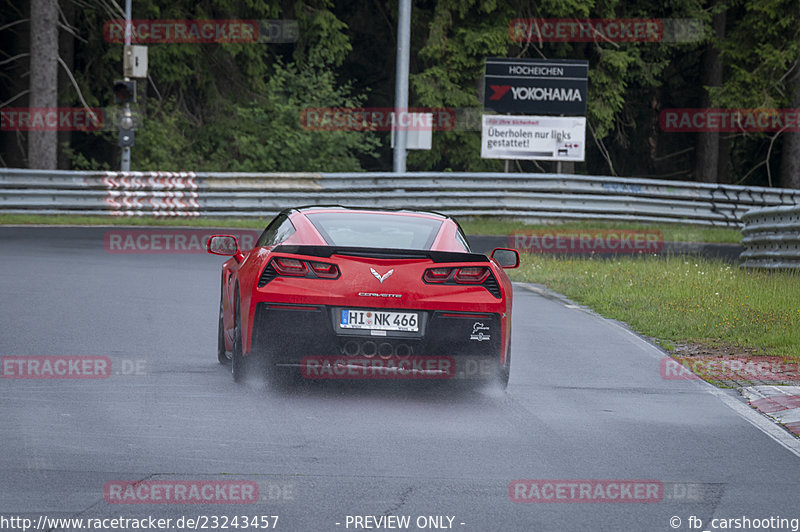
x=541 y=138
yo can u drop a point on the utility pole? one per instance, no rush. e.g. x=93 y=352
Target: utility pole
x=401 y=83
x=126 y=122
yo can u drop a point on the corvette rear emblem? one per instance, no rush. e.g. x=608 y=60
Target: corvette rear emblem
x=380 y=277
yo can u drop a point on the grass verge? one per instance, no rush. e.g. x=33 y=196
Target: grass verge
x=680 y=300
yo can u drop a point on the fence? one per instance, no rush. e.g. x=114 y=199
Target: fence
x=528 y=197
x=771 y=238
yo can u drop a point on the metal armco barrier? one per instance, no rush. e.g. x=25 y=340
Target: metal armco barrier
x=528 y=197
x=771 y=238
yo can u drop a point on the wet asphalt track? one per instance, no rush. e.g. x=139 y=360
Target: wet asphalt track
x=586 y=401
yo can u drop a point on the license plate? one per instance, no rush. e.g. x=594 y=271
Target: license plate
x=379 y=320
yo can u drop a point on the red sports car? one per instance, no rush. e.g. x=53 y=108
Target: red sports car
x=337 y=292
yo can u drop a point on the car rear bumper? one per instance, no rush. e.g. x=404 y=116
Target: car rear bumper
x=291 y=335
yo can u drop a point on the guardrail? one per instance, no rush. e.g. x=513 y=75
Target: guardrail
x=771 y=238
x=529 y=197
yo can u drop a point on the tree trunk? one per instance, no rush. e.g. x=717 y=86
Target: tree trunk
x=724 y=167
x=707 y=162
x=66 y=47
x=790 y=156
x=44 y=79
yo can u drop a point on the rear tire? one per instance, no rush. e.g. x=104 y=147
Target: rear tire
x=244 y=366
x=237 y=359
x=504 y=371
x=222 y=355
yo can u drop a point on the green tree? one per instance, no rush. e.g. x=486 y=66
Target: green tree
x=225 y=106
x=762 y=70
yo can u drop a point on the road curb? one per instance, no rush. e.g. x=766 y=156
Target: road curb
x=780 y=403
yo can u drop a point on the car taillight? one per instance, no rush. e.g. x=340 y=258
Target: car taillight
x=325 y=270
x=293 y=267
x=471 y=275
x=436 y=275
x=474 y=275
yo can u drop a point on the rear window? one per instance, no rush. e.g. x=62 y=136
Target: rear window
x=376 y=230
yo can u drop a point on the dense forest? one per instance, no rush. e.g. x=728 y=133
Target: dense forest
x=237 y=106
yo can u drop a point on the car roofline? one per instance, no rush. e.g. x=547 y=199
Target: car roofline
x=305 y=208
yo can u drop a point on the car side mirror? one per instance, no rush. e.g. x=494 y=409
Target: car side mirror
x=505 y=257
x=224 y=245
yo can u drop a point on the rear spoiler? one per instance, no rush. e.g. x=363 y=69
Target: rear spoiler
x=382 y=253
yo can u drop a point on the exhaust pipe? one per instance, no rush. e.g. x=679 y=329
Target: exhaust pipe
x=385 y=350
x=351 y=348
x=403 y=351
x=368 y=349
